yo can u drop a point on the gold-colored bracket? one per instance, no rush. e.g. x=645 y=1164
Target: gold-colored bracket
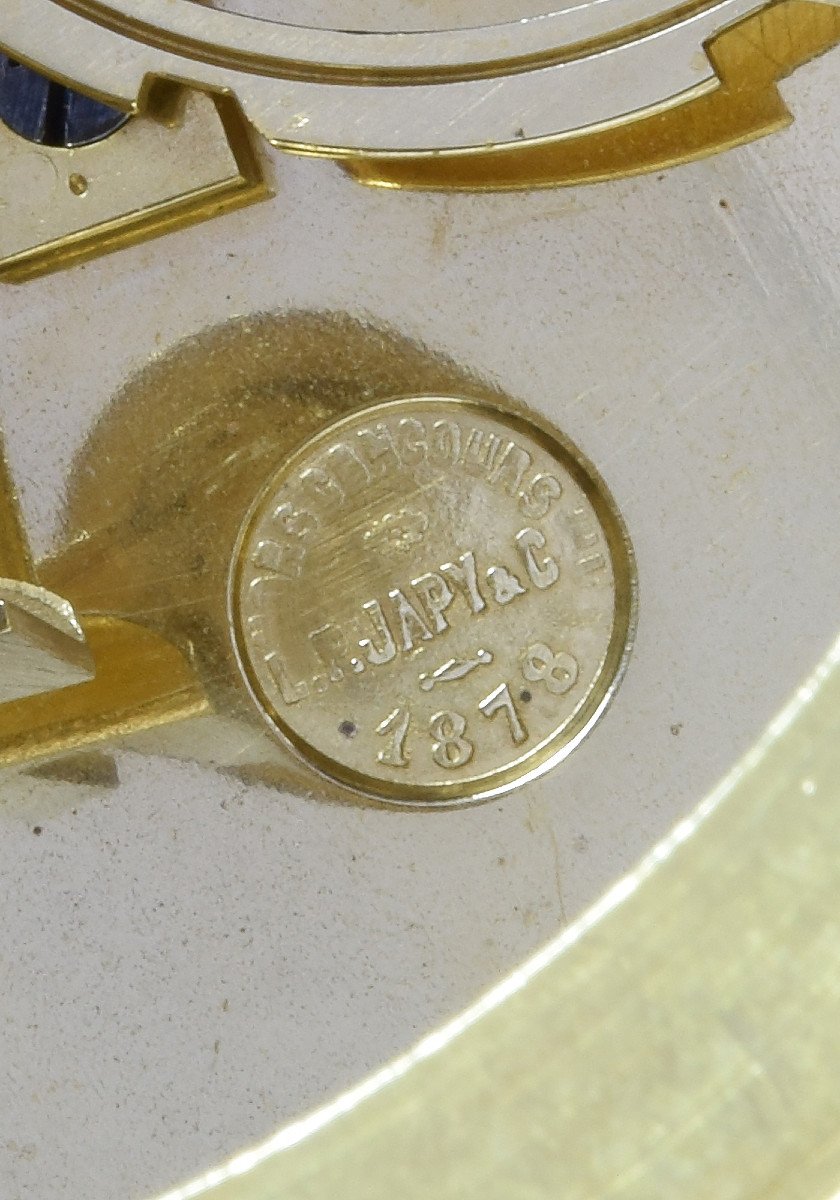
x=42 y=645
x=749 y=59
x=15 y=559
x=188 y=158
x=141 y=682
x=68 y=684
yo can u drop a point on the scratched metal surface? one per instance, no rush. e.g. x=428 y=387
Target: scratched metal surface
x=189 y=960
x=385 y=14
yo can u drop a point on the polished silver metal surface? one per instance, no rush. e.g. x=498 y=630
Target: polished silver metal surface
x=192 y=957
x=333 y=91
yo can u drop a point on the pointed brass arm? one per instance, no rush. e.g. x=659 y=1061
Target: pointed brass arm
x=42 y=645
x=65 y=683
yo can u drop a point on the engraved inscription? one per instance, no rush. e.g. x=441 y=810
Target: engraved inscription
x=558 y=671
x=423 y=610
x=396 y=532
x=543 y=571
x=450 y=749
x=347 y=470
x=505 y=585
x=500 y=700
x=435 y=597
x=396 y=725
x=462 y=576
x=431 y=600
x=456 y=668
x=411 y=623
x=381 y=647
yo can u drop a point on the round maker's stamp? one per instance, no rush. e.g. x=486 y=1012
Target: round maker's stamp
x=433 y=600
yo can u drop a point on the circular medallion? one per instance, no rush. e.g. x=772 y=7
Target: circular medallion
x=433 y=600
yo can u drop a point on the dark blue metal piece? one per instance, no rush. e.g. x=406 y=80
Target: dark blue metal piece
x=41 y=110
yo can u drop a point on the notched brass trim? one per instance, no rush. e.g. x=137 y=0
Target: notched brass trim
x=749 y=59
x=274 y=65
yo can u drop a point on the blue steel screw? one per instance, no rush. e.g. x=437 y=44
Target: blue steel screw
x=41 y=110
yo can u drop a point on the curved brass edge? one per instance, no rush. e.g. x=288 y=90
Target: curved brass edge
x=749 y=59
x=337 y=116
x=678 y=1040
x=141 y=682
x=59 y=248
x=273 y=65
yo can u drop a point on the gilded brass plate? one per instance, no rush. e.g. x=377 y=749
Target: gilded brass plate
x=433 y=600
